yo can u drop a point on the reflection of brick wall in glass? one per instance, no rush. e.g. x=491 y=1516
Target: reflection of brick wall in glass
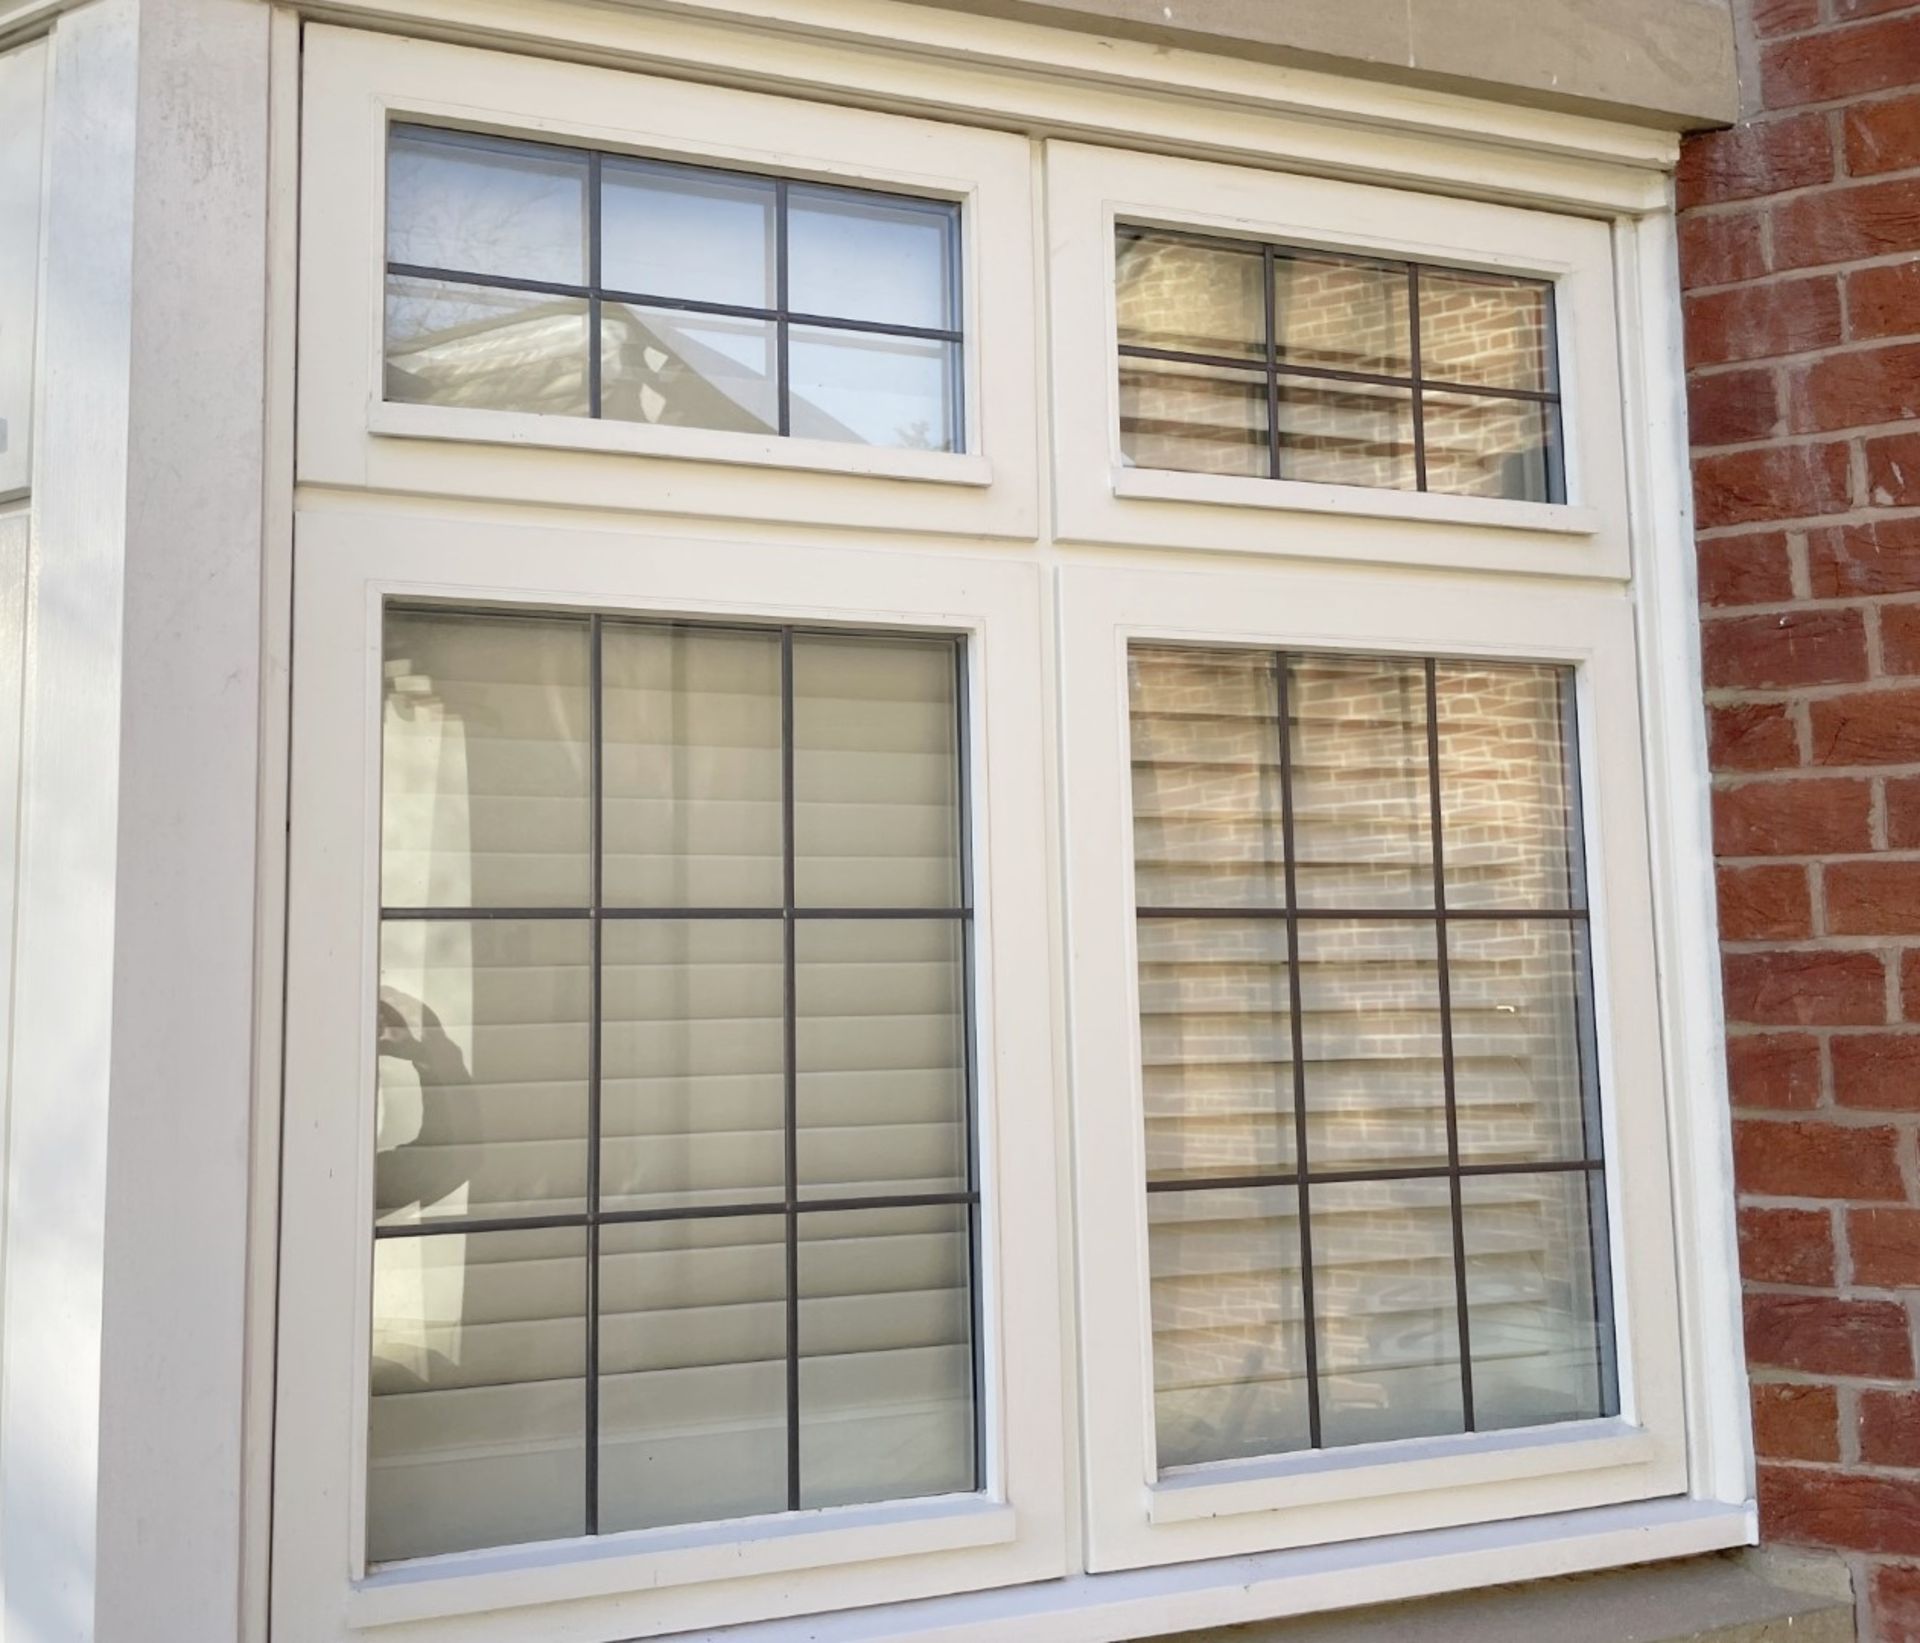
x=1373 y=1155
x=1273 y=362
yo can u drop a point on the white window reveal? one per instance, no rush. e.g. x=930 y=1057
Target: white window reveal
x=23 y=75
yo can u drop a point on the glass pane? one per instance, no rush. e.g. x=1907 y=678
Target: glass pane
x=1193 y=418
x=1206 y=778
x=1486 y=329
x=693 y=1057
x=1477 y=446
x=1370 y=1021
x=683 y=370
x=1542 y=1336
x=886 y=1355
x=1506 y=785
x=876 y=772
x=875 y=257
x=1385 y=1306
x=881 y=1057
x=863 y=389
x=1341 y=315
x=691 y=767
x=1362 y=814
x=693 y=1371
x=484 y=205
x=482 y=1103
x=1346 y=433
x=1229 y=1336
x=1190 y=297
x=1216 y=1047
x=477 y=1431
x=1523 y=1073
x=679 y=231
x=485 y=771
x=485 y=349
x=23 y=77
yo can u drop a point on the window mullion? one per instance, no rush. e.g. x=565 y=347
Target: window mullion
x=784 y=400
x=1414 y=365
x=596 y=739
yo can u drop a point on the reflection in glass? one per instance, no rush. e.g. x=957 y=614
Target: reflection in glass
x=691 y=767
x=1229 y=1324
x=1341 y=314
x=484 y=779
x=681 y=370
x=1346 y=433
x=693 y=1372
x=680 y=231
x=881 y=1057
x=477 y=1431
x=1193 y=418
x=693 y=1091
x=472 y=204
x=877 y=257
x=864 y=388
x=1486 y=329
x=482 y=1098
x=1190 y=296
x=886 y=1355
x=485 y=349
x=1480 y=446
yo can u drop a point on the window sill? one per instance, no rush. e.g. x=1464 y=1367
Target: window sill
x=1354 y=501
x=555 y=1571
x=1380 y=1470
x=530 y=430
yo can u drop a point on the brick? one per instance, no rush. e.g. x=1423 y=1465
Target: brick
x=1877 y=1070
x=1774 y=1070
x=1842 y=62
x=1864 y=559
x=1752 y=736
x=1910 y=985
x=1783 y=16
x=1731 y=407
x=1886 y=1247
x=1893 y=1600
x=1821 y=1335
x=1762 y=321
x=1795 y=1422
x=1900 y=640
x=1893 y=470
x=1760 y=157
x=1882 y=136
x=1805 y=989
x=1867 y=727
x=1764 y=904
x=1903 y=813
x=1884 y=301
x=1847 y=11
x=1889 y=1429
x=1805 y=1506
x=1803 y=647
x=1847 y=224
x=1721 y=249
x=1855 y=389
x=1806 y=1158
x=1745 y=570
x=1793 y=818
x=1786 y=1246
x=1777 y=482
x=1873 y=898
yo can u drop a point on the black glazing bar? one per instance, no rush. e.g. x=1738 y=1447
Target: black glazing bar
x=593 y=279
x=1360 y=1177
x=402 y=914
x=1330 y=373
x=1296 y=1028
x=963 y=824
x=481 y=914
x=1419 y=406
x=1269 y=284
x=1377 y=915
x=790 y=964
x=1447 y=1070
x=680 y=1212
x=782 y=330
x=596 y=788
x=956 y=362
x=489 y=282
x=1550 y=415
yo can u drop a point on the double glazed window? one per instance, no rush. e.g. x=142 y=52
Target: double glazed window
x=674 y=1187
x=1273 y=362
x=531 y=277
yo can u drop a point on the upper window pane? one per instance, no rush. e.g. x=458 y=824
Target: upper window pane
x=1273 y=362
x=530 y=277
x=22 y=90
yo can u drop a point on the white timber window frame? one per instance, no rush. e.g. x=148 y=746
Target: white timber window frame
x=1072 y=1538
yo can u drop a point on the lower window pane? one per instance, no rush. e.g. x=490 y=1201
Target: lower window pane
x=1193 y=418
x=867 y=389
x=693 y=1370
x=1347 y=433
x=477 y=1433
x=1479 y=446
x=686 y=370
x=886 y=1355
x=485 y=348
x=1229 y=1324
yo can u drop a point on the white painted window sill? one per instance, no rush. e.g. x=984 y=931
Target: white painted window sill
x=1353 y=501
x=466 y=425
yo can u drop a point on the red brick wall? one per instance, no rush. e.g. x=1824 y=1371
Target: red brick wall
x=1800 y=244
